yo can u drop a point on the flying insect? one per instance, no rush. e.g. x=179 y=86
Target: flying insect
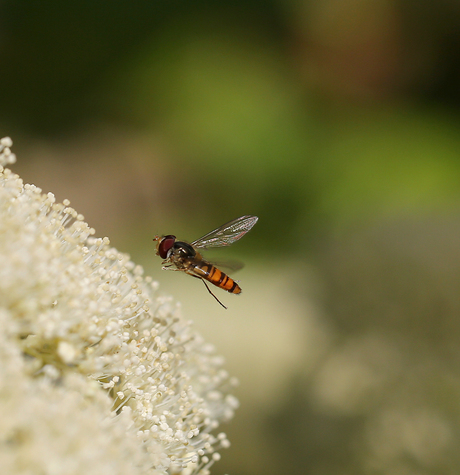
x=184 y=256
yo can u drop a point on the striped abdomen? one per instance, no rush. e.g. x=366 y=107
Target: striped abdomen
x=217 y=277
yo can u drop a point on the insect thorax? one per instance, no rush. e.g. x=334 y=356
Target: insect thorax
x=182 y=252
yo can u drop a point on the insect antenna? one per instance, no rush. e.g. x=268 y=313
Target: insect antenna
x=209 y=290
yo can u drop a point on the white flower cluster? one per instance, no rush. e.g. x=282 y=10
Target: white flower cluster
x=98 y=374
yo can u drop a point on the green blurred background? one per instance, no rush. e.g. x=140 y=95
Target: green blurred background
x=337 y=123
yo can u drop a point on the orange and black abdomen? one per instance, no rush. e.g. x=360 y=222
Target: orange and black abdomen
x=217 y=277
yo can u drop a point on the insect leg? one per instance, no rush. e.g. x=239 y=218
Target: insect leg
x=206 y=285
x=169 y=267
x=209 y=290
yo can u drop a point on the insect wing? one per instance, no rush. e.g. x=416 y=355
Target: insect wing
x=227 y=265
x=226 y=234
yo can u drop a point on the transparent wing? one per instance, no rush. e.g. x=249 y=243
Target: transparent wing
x=226 y=234
x=227 y=265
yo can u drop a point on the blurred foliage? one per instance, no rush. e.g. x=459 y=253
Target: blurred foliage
x=336 y=122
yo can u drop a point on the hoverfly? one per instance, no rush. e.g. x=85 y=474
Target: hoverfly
x=182 y=256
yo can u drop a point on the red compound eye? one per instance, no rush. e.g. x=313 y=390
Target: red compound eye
x=165 y=245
